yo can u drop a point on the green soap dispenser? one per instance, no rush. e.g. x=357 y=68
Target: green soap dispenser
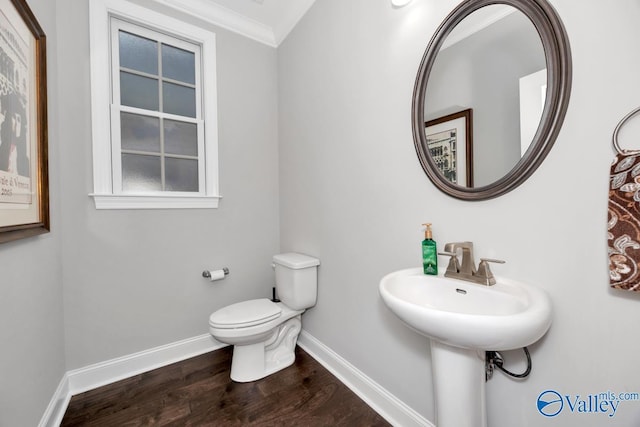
x=429 y=252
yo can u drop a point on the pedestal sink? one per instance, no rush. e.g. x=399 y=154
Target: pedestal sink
x=463 y=320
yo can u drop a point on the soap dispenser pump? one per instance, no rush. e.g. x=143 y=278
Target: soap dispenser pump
x=429 y=252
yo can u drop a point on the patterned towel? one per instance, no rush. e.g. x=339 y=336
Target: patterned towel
x=624 y=222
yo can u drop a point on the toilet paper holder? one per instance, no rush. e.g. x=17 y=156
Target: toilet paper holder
x=207 y=273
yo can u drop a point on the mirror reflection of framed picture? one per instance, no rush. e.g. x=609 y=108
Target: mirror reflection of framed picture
x=24 y=185
x=450 y=143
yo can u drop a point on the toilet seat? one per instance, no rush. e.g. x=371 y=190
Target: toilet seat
x=245 y=314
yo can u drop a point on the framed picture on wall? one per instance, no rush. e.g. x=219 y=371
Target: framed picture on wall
x=450 y=143
x=24 y=184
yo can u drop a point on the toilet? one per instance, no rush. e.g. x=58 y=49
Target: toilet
x=264 y=333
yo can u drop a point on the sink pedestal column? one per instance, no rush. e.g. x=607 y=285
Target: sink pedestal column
x=459 y=386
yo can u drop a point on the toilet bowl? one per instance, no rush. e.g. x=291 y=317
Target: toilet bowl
x=264 y=333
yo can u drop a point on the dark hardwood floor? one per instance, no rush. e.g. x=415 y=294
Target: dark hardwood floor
x=199 y=392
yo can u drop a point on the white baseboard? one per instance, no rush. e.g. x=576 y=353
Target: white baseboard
x=57 y=406
x=100 y=374
x=384 y=403
x=103 y=373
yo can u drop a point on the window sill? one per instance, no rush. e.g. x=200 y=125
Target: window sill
x=121 y=201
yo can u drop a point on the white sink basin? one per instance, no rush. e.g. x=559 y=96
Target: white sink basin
x=507 y=315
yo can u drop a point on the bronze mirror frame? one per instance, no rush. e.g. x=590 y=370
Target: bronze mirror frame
x=558 y=58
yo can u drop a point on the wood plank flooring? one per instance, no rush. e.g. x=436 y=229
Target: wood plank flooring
x=199 y=392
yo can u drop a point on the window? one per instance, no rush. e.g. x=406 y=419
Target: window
x=155 y=111
x=154 y=114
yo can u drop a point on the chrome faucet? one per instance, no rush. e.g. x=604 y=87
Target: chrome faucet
x=467 y=269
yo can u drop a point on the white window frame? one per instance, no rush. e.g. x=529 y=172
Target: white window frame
x=107 y=192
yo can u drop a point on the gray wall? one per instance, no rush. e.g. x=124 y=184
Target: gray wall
x=353 y=193
x=31 y=314
x=132 y=278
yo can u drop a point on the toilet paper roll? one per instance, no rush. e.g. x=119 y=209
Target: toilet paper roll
x=216 y=275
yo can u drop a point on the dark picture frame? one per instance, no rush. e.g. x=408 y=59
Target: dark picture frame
x=450 y=143
x=24 y=182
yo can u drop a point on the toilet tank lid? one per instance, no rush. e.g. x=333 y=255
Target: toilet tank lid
x=295 y=260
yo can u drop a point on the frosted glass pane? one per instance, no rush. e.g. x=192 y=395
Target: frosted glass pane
x=180 y=138
x=140 y=173
x=178 y=64
x=179 y=100
x=138 y=53
x=139 y=133
x=181 y=174
x=138 y=91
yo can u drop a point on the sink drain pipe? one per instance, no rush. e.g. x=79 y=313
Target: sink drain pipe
x=494 y=360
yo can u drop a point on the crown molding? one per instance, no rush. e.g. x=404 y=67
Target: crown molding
x=240 y=24
x=225 y=18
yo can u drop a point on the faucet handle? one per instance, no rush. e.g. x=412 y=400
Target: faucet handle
x=496 y=261
x=484 y=272
x=448 y=253
x=454 y=264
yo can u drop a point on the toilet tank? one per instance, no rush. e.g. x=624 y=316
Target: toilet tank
x=296 y=279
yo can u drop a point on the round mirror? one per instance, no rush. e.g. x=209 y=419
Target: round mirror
x=490 y=96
